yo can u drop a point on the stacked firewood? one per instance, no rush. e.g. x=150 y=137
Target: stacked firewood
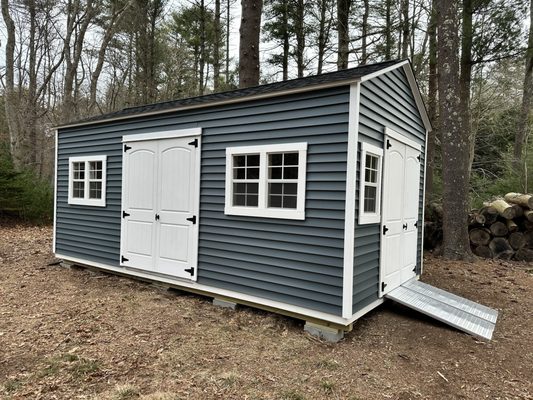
x=503 y=228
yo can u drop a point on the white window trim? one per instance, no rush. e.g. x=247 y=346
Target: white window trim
x=367 y=217
x=262 y=210
x=86 y=201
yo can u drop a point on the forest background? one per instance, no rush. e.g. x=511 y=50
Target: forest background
x=64 y=60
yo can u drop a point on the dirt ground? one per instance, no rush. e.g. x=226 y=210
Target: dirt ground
x=76 y=334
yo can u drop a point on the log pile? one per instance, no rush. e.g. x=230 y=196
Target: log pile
x=503 y=228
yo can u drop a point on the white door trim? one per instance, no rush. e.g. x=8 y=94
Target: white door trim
x=389 y=133
x=174 y=133
x=196 y=203
x=401 y=138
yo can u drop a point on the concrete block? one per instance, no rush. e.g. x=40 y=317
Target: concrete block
x=326 y=333
x=224 y=303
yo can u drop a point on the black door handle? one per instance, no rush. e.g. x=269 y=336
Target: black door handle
x=157 y=217
x=405 y=226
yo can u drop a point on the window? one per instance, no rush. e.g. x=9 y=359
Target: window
x=370 y=184
x=87 y=180
x=266 y=181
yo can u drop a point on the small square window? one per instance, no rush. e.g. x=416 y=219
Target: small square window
x=87 y=180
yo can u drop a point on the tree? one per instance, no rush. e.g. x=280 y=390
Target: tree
x=249 y=42
x=343 y=33
x=277 y=29
x=527 y=106
x=455 y=143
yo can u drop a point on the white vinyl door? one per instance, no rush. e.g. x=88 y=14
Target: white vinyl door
x=400 y=206
x=160 y=199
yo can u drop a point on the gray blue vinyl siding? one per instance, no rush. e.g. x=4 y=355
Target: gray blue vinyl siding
x=294 y=262
x=385 y=101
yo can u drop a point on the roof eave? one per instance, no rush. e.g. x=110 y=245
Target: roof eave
x=344 y=82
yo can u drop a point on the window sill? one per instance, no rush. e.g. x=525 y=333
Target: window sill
x=85 y=202
x=266 y=213
x=369 y=219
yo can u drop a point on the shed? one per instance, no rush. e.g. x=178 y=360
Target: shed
x=304 y=197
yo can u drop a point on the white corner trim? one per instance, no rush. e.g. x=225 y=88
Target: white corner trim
x=54 y=232
x=349 y=214
x=213 y=290
x=418 y=97
x=86 y=201
x=421 y=223
x=262 y=210
x=365 y=217
x=402 y=139
x=384 y=70
x=174 y=133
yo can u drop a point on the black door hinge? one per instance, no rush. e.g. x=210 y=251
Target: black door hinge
x=190 y=271
x=383 y=286
x=125 y=214
x=385 y=229
x=194 y=143
x=124 y=259
x=192 y=219
x=416 y=224
x=389 y=145
x=414 y=269
x=418 y=158
x=157 y=217
x=404 y=227
x=126 y=148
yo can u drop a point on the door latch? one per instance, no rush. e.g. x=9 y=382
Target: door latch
x=404 y=227
x=157 y=217
x=385 y=229
x=383 y=286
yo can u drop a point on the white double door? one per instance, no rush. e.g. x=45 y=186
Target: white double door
x=160 y=200
x=400 y=208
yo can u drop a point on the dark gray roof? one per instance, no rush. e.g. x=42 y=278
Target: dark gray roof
x=331 y=77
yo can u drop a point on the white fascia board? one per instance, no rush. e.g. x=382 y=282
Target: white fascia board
x=402 y=139
x=215 y=291
x=170 y=134
x=384 y=70
x=217 y=103
x=349 y=213
x=55 y=196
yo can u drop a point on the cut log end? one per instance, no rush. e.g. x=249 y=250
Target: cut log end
x=483 y=252
x=480 y=236
x=499 y=229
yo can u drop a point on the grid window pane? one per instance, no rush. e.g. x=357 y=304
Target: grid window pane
x=239 y=173
x=95 y=190
x=252 y=173
x=239 y=199
x=290 y=158
x=371 y=168
x=289 y=201
x=245 y=194
x=274 y=201
x=370 y=199
x=290 y=173
x=78 y=169
x=95 y=170
x=252 y=160
x=276 y=188
x=275 y=173
x=275 y=159
x=78 y=189
x=290 y=188
x=239 y=161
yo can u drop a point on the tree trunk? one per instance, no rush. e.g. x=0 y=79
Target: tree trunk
x=343 y=32
x=466 y=76
x=202 y=47
x=18 y=143
x=228 y=23
x=527 y=106
x=216 y=50
x=322 y=37
x=405 y=28
x=455 y=144
x=364 y=32
x=388 y=29
x=249 y=43
x=432 y=102
x=300 y=37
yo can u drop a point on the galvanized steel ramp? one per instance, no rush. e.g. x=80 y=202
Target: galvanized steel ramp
x=468 y=316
